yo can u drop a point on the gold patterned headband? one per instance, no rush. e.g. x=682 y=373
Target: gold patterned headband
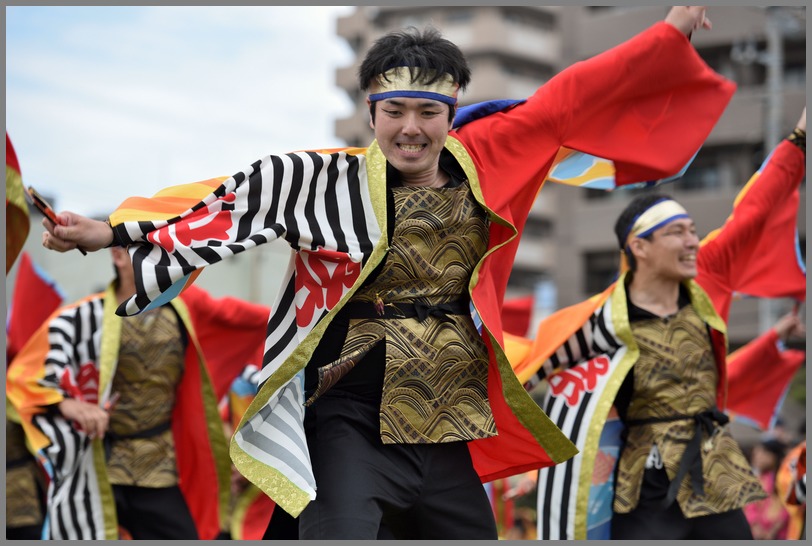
x=397 y=82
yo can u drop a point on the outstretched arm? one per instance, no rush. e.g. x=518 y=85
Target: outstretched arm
x=641 y=92
x=754 y=251
x=758 y=373
x=688 y=18
x=789 y=326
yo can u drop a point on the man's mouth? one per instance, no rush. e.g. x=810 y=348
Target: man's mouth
x=411 y=148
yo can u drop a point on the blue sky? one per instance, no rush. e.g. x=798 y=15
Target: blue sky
x=103 y=103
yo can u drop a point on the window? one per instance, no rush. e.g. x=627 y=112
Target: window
x=525 y=70
x=539 y=227
x=700 y=177
x=459 y=16
x=526 y=279
x=601 y=269
x=529 y=17
x=417 y=21
x=356 y=42
x=622 y=194
x=597 y=194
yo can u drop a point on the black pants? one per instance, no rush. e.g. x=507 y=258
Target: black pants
x=25 y=532
x=151 y=513
x=649 y=521
x=368 y=490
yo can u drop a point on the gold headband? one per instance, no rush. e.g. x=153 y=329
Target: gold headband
x=397 y=82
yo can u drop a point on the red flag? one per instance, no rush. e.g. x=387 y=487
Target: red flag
x=516 y=315
x=17 y=222
x=252 y=513
x=231 y=333
x=35 y=297
x=758 y=376
x=775 y=268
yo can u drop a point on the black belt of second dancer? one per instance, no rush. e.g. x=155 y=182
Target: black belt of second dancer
x=20 y=462
x=401 y=310
x=691 y=462
x=110 y=436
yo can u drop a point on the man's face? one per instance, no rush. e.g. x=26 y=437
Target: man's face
x=411 y=133
x=671 y=252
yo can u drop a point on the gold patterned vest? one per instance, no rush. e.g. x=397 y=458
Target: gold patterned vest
x=676 y=375
x=23 y=480
x=150 y=367
x=436 y=375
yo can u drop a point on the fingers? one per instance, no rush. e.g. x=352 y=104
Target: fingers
x=688 y=18
x=90 y=418
x=95 y=421
x=706 y=23
x=790 y=325
x=76 y=231
x=701 y=19
x=52 y=242
x=802 y=121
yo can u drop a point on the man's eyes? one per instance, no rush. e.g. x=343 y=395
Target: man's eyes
x=681 y=232
x=426 y=113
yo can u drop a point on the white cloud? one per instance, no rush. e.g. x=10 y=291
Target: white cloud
x=110 y=103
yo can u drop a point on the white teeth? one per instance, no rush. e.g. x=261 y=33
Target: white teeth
x=411 y=147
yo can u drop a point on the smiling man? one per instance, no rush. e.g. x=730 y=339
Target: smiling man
x=641 y=370
x=386 y=397
x=681 y=474
x=668 y=485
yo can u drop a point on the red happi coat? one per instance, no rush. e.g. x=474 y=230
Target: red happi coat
x=623 y=106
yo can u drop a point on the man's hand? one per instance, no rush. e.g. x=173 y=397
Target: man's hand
x=92 y=419
x=688 y=18
x=75 y=230
x=802 y=122
x=790 y=325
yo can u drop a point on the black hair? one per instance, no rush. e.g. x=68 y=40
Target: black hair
x=629 y=216
x=774 y=446
x=420 y=51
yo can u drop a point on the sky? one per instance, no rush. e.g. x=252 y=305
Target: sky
x=104 y=103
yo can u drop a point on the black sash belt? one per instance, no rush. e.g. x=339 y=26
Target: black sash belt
x=110 y=436
x=17 y=463
x=691 y=462
x=369 y=310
